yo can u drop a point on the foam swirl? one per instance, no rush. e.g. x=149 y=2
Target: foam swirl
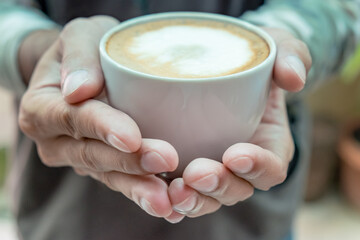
x=187 y=48
x=191 y=50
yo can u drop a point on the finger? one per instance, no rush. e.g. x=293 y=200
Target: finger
x=187 y=201
x=154 y=156
x=264 y=161
x=261 y=167
x=175 y=217
x=81 y=74
x=293 y=61
x=213 y=179
x=292 y=64
x=44 y=113
x=48 y=115
x=149 y=192
x=43 y=108
x=81 y=172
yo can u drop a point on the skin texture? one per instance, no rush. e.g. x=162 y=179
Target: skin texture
x=61 y=108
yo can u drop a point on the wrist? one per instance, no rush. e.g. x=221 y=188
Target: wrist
x=32 y=48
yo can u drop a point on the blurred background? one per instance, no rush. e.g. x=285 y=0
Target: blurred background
x=331 y=208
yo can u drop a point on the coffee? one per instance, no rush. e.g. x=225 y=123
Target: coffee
x=187 y=48
x=162 y=82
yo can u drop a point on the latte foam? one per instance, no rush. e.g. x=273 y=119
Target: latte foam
x=186 y=48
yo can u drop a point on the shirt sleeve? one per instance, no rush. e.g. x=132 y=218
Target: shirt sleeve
x=15 y=24
x=331 y=30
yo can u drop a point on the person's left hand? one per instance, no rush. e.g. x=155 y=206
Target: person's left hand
x=262 y=163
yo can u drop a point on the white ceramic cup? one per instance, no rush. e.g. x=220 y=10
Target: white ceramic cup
x=199 y=117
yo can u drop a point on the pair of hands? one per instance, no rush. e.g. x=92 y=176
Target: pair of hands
x=65 y=112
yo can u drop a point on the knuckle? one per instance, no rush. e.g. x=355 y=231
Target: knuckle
x=133 y=195
x=281 y=177
x=122 y=166
x=46 y=158
x=37 y=117
x=27 y=118
x=278 y=177
x=62 y=118
x=66 y=121
x=90 y=120
x=26 y=123
x=80 y=172
x=86 y=155
x=105 y=177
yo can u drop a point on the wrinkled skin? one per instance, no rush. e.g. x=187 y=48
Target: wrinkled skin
x=65 y=112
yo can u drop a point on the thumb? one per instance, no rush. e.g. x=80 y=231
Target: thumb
x=293 y=60
x=81 y=74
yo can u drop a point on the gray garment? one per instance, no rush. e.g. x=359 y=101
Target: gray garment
x=57 y=204
x=65 y=10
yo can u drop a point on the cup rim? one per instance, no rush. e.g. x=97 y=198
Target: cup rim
x=194 y=15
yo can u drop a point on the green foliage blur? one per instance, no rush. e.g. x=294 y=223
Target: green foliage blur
x=351 y=70
x=350 y=75
x=3 y=166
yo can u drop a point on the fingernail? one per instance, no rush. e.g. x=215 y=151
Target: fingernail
x=206 y=184
x=146 y=206
x=153 y=162
x=176 y=219
x=241 y=165
x=73 y=81
x=117 y=143
x=186 y=206
x=298 y=66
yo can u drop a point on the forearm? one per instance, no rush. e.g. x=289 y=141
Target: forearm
x=16 y=27
x=329 y=28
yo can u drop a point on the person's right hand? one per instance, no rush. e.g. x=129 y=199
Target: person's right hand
x=92 y=137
